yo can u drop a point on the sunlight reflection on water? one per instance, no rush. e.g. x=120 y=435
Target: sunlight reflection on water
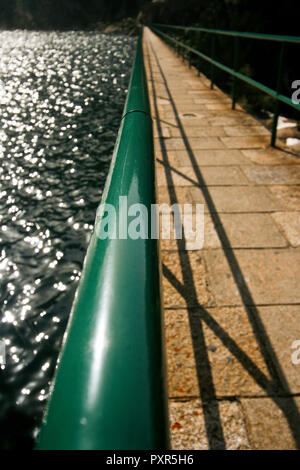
x=61 y=99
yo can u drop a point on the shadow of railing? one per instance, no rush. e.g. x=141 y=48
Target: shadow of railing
x=276 y=386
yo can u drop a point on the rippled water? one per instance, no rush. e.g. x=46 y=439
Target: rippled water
x=61 y=99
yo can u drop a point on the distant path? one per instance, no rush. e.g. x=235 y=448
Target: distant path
x=232 y=309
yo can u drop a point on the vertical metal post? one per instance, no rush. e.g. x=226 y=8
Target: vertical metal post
x=274 y=124
x=190 y=53
x=278 y=89
x=183 y=51
x=177 y=49
x=213 y=55
x=199 y=47
x=235 y=67
x=187 y=55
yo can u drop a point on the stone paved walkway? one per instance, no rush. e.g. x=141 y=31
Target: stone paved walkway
x=232 y=309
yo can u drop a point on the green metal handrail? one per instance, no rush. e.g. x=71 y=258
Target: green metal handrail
x=267 y=37
x=109 y=390
x=237 y=75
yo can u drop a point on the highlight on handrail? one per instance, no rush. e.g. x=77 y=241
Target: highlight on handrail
x=109 y=389
x=157 y=28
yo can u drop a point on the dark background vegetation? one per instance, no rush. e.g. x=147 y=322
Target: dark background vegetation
x=258 y=59
x=64 y=14
x=252 y=15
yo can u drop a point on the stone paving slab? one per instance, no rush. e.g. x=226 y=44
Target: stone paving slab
x=270 y=156
x=182 y=376
x=268 y=425
x=199 y=132
x=202 y=119
x=196 y=143
x=244 y=374
x=283 y=325
x=222 y=106
x=238 y=199
x=288 y=174
x=181 y=195
x=182 y=286
x=211 y=239
x=237 y=364
x=183 y=177
x=235 y=119
x=189 y=426
x=241 y=131
x=242 y=230
x=212 y=176
x=272 y=276
x=252 y=230
x=221 y=176
x=162 y=161
x=234 y=373
x=205 y=113
x=245 y=142
x=289 y=196
x=208 y=239
x=211 y=158
x=289 y=222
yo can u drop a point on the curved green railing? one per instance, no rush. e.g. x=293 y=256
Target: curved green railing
x=109 y=389
x=157 y=28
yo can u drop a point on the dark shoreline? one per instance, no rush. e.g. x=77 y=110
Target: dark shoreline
x=127 y=26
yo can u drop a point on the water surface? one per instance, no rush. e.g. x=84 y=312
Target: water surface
x=61 y=99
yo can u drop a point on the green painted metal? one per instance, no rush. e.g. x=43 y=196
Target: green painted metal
x=198 y=42
x=109 y=389
x=275 y=94
x=278 y=88
x=137 y=97
x=213 y=55
x=265 y=37
x=235 y=67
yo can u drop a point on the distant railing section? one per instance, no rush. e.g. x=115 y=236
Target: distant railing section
x=109 y=390
x=278 y=97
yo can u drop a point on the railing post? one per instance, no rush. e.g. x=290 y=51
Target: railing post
x=183 y=50
x=213 y=54
x=235 y=67
x=199 y=46
x=177 y=48
x=278 y=89
x=190 y=54
x=185 y=40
